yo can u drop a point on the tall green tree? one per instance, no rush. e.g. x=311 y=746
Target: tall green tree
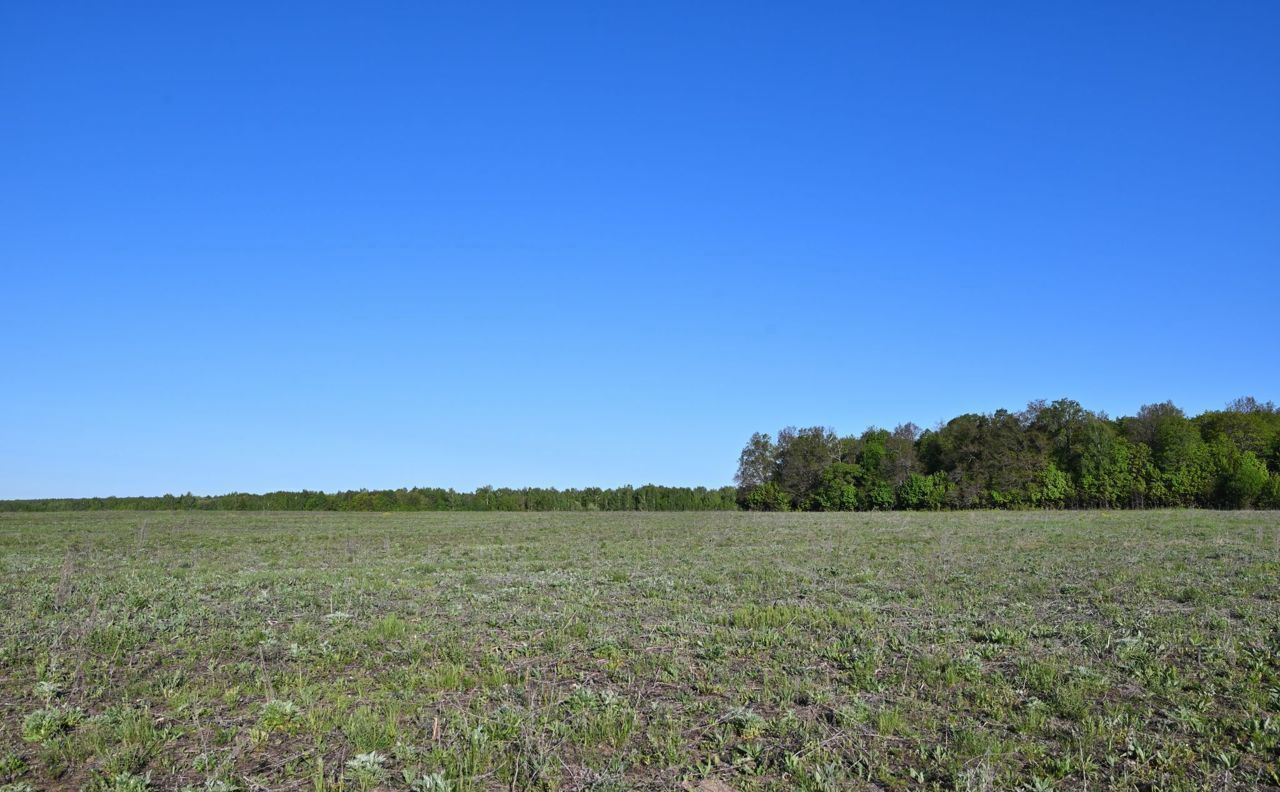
x=802 y=455
x=757 y=463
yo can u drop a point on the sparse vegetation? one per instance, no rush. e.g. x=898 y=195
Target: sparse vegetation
x=966 y=650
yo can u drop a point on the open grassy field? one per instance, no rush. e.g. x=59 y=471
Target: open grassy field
x=218 y=651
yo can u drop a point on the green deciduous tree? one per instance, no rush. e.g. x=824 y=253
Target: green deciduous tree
x=767 y=497
x=838 y=487
x=802 y=455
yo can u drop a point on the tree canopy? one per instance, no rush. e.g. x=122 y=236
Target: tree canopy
x=1049 y=455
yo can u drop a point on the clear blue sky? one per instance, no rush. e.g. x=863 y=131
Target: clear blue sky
x=250 y=246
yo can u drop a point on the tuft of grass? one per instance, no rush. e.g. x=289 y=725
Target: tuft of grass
x=45 y=724
x=755 y=617
x=119 y=782
x=279 y=715
x=370 y=730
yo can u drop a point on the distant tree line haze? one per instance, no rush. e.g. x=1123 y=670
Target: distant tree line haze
x=1048 y=456
x=646 y=498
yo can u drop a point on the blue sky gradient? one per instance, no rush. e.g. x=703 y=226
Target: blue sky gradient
x=254 y=246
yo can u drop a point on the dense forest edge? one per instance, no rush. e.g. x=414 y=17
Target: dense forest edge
x=1051 y=455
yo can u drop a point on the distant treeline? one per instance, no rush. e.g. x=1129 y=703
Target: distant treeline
x=647 y=498
x=1050 y=455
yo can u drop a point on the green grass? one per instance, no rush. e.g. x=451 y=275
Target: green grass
x=428 y=651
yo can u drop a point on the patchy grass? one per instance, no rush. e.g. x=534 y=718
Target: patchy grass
x=969 y=651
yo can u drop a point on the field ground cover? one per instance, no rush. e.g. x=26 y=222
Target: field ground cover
x=438 y=651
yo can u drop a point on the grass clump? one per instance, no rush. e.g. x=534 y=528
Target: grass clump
x=47 y=723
